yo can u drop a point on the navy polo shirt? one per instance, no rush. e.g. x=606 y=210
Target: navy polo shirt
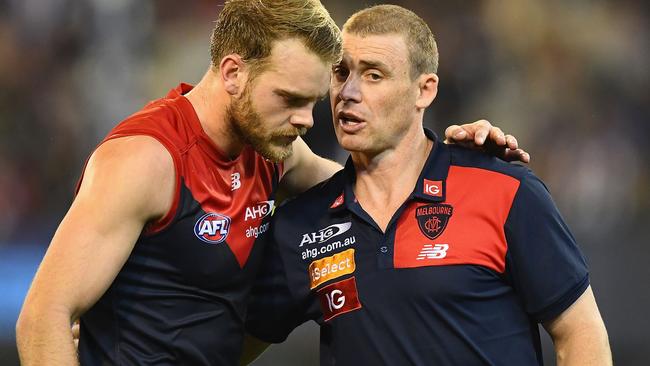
x=472 y=261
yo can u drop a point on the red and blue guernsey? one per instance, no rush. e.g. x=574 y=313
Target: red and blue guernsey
x=180 y=298
x=468 y=266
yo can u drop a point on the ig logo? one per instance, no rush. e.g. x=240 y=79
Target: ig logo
x=335 y=300
x=433 y=188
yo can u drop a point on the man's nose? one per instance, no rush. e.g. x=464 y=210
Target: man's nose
x=351 y=90
x=303 y=117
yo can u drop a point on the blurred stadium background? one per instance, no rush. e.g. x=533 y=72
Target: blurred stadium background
x=569 y=78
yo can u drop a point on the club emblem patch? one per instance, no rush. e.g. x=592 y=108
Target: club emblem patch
x=433 y=219
x=212 y=228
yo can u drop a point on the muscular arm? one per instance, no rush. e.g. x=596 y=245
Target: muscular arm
x=128 y=181
x=579 y=334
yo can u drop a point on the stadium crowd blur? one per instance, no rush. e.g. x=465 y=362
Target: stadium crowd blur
x=570 y=79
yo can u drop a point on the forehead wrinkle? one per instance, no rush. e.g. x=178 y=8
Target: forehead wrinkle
x=375 y=52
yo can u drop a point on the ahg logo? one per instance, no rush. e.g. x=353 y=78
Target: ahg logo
x=260 y=210
x=325 y=234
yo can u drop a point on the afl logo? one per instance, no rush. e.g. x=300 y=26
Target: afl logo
x=212 y=228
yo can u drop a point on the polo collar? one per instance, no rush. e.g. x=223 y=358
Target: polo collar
x=430 y=187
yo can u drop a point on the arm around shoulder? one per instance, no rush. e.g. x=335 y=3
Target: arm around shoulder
x=304 y=169
x=579 y=334
x=128 y=182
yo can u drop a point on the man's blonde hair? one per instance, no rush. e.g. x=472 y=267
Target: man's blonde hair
x=249 y=28
x=393 y=19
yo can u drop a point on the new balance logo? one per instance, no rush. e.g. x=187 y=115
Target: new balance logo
x=433 y=251
x=235 y=179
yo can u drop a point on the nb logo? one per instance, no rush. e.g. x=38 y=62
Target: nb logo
x=235 y=179
x=433 y=251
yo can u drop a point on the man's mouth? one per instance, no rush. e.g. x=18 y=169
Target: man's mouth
x=350 y=122
x=287 y=139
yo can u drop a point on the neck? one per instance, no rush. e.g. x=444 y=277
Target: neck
x=384 y=181
x=210 y=101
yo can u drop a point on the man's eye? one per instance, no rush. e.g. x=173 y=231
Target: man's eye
x=295 y=102
x=341 y=73
x=375 y=76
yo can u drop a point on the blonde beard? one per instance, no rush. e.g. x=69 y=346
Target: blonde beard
x=250 y=128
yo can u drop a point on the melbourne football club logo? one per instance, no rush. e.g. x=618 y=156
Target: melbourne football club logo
x=212 y=228
x=433 y=219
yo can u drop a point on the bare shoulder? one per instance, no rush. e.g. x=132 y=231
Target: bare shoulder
x=138 y=170
x=133 y=151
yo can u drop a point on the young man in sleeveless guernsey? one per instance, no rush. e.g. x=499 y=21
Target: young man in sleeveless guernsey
x=156 y=255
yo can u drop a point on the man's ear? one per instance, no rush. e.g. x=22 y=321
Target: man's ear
x=233 y=73
x=428 y=89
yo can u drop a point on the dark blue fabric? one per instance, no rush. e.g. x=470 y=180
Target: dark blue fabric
x=434 y=315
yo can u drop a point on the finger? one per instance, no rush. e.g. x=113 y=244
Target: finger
x=480 y=136
x=482 y=130
x=497 y=135
x=517 y=155
x=455 y=133
x=76 y=343
x=511 y=141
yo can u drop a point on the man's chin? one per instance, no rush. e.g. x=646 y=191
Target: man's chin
x=276 y=154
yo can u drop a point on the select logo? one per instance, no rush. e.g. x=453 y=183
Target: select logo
x=339 y=298
x=329 y=268
x=212 y=228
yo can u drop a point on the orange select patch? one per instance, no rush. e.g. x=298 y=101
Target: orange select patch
x=331 y=267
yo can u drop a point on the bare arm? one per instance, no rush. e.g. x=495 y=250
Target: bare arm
x=303 y=169
x=579 y=334
x=92 y=243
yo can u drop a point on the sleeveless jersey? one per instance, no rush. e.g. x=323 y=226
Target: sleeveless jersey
x=180 y=297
